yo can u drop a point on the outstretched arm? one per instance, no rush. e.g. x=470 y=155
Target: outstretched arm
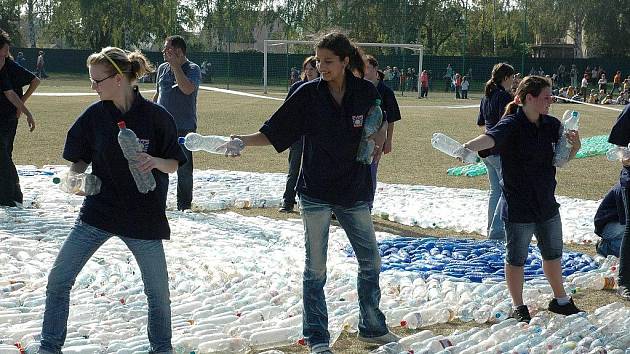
x=482 y=142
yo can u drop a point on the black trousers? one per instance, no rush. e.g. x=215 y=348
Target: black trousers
x=624 y=252
x=295 y=163
x=10 y=191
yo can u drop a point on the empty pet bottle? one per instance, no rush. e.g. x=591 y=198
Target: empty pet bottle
x=131 y=148
x=618 y=153
x=371 y=124
x=78 y=183
x=453 y=148
x=215 y=144
x=570 y=121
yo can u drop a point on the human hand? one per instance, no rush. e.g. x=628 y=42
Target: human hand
x=174 y=57
x=387 y=147
x=31 y=122
x=146 y=162
x=233 y=147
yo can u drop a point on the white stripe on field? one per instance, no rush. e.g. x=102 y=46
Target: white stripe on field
x=445 y=107
x=588 y=104
x=74 y=94
x=239 y=93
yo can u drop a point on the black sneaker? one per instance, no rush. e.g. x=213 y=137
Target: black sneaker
x=624 y=292
x=568 y=309
x=521 y=314
x=286 y=207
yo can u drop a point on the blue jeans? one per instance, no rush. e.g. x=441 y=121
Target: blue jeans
x=496 y=226
x=611 y=239
x=185 y=177
x=519 y=235
x=79 y=246
x=357 y=223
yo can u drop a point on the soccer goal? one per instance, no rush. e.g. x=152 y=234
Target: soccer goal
x=406 y=56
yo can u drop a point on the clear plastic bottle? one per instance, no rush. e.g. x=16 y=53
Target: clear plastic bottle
x=618 y=153
x=453 y=148
x=130 y=147
x=214 y=144
x=371 y=125
x=78 y=183
x=594 y=281
x=570 y=121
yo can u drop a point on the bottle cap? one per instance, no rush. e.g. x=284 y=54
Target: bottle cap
x=56 y=180
x=122 y=124
x=181 y=140
x=377 y=102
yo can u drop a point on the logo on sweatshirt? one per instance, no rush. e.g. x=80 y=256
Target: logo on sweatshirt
x=357 y=121
x=145 y=144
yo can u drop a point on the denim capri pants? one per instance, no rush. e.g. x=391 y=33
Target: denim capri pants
x=519 y=235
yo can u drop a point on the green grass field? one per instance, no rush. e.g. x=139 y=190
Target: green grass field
x=412 y=161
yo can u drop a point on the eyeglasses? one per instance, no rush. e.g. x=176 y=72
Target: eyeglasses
x=96 y=82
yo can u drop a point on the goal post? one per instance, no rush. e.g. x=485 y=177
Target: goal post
x=416 y=48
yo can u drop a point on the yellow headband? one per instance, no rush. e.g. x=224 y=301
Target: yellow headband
x=113 y=63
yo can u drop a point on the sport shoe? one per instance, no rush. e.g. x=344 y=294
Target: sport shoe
x=521 y=314
x=389 y=337
x=321 y=349
x=286 y=208
x=568 y=309
x=624 y=292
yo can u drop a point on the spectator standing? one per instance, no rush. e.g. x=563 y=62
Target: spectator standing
x=424 y=84
x=574 y=75
x=457 y=82
x=177 y=85
x=40 y=65
x=616 y=82
x=309 y=73
x=525 y=138
x=584 y=87
x=13 y=78
x=20 y=59
x=602 y=83
x=332 y=180
x=465 y=86
x=119 y=210
x=497 y=95
x=448 y=78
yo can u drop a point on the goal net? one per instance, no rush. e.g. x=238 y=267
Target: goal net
x=401 y=64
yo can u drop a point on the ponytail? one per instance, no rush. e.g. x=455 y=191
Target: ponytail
x=356 y=63
x=530 y=85
x=132 y=65
x=499 y=72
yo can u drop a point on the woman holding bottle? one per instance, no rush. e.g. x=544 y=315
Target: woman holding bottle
x=309 y=72
x=525 y=139
x=329 y=112
x=496 y=97
x=120 y=210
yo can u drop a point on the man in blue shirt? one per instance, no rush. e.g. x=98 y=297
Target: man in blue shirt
x=177 y=85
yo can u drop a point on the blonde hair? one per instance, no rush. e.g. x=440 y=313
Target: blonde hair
x=131 y=64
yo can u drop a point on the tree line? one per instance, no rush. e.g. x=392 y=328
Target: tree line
x=444 y=27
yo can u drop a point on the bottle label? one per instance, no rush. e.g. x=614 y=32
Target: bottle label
x=145 y=144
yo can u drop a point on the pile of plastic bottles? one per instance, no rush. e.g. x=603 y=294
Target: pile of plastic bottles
x=474 y=260
x=592 y=146
x=235 y=284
